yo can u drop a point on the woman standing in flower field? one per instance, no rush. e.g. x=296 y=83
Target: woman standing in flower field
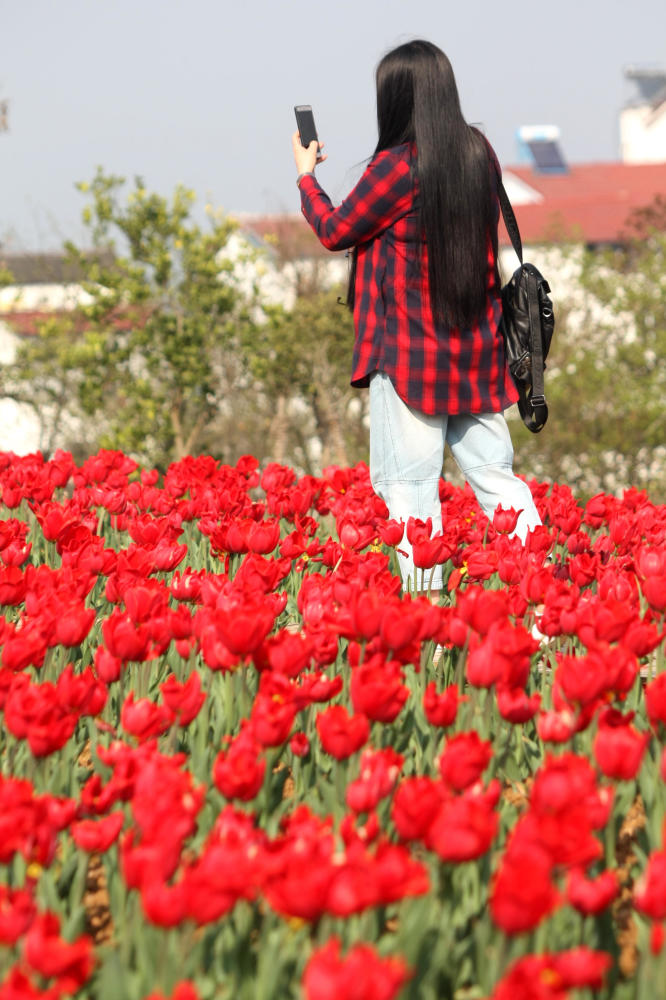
x=425 y=294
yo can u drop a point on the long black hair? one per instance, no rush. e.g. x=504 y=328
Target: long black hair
x=417 y=102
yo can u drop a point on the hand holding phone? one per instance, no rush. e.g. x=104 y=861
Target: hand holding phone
x=306 y=158
x=306 y=125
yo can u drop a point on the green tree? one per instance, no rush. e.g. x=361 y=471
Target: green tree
x=147 y=360
x=301 y=359
x=605 y=380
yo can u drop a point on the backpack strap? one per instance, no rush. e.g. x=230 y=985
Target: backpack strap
x=536 y=345
x=536 y=413
x=509 y=216
x=510 y=221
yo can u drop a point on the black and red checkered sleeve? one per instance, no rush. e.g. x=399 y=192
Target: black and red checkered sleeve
x=382 y=195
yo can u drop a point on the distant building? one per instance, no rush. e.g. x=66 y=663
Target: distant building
x=643 y=120
x=587 y=203
x=291 y=258
x=44 y=284
x=271 y=258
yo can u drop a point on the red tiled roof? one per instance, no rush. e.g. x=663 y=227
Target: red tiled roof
x=590 y=203
x=289 y=234
x=26 y=322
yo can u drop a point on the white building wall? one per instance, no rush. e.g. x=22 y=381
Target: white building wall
x=42 y=297
x=643 y=134
x=518 y=192
x=256 y=273
x=20 y=428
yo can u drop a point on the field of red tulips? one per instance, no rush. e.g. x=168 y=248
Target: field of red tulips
x=237 y=762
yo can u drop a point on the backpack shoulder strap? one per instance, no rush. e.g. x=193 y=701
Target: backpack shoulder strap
x=536 y=344
x=509 y=217
x=537 y=413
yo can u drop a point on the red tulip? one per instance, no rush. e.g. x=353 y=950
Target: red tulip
x=618 y=746
x=33 y=713
x=505 y=519
x=243 y=628
x=400 y=624
x=650 y=887
x=582 y=968
x=144 y=719
x=97 y=835
x=516 y=706
x=123 y=639
x=379 y=773
x=556 y=727
x=17 y=911
x=655 y=700
x=465 y=826
x=503 y=655
x=13 y=585
x=272 y=717
x=184 y=700
x=341 y=735
x=18 y=986
x=52 y=957
x=82 y=693
x=591 y=896
x=164 y=905
x=377 y=690
x=391 y=532
x=239 y=771
x=522 y=893
x=362 y=974
x=464 y=759
x=415 y=805
x=441 y=709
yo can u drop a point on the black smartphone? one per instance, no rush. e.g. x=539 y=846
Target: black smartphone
x=305 y=124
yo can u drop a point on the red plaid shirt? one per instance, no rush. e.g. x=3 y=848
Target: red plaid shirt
x=434 y=368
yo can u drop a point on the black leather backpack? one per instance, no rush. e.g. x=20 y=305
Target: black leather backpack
x=528 y=322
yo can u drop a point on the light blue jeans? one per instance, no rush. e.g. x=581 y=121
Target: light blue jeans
x=406 y=459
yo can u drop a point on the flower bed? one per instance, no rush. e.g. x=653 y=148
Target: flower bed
x=236 y=762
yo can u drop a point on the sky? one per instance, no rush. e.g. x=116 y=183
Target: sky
x=201 y=92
